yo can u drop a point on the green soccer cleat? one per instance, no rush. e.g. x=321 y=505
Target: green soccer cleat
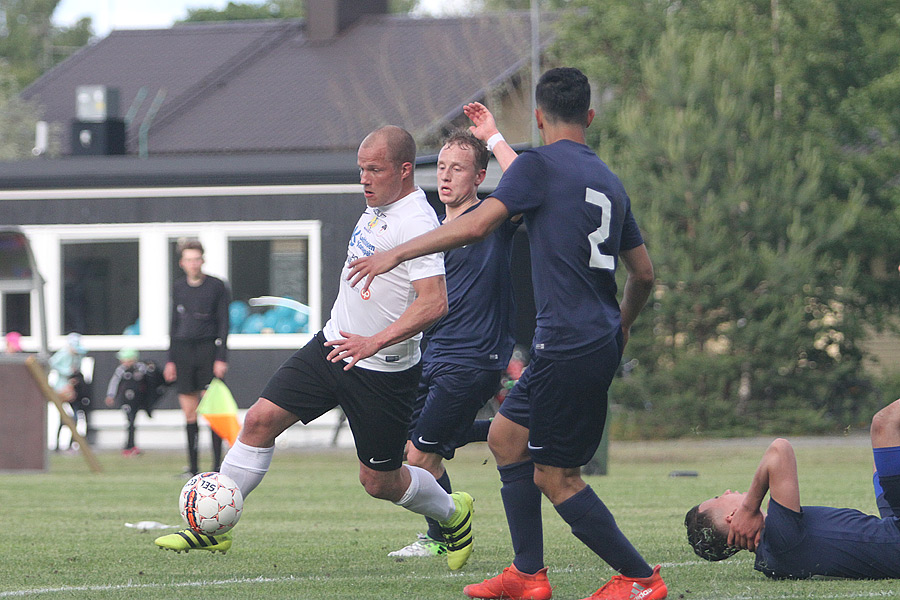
x=188 y=539
x=457 y=531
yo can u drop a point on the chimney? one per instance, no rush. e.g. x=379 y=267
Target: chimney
x=325 y=19
x=97 y=128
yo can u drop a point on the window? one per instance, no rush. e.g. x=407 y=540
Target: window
x=115 y=280
x=268 y=267
x=100 y=287
x=17 y=313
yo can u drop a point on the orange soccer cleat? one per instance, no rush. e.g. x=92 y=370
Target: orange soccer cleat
x=633 y=588
x=512 y=584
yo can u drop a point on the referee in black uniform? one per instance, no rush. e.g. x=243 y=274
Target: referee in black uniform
x=198 y=334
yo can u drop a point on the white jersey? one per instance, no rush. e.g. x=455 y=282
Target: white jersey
x=391 y=293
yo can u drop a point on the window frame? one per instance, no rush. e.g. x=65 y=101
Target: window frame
x=155 y=279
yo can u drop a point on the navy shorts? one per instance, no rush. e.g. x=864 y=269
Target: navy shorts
x=563 y=404
x=449 y=398
x=378 y=404
x=193 y=364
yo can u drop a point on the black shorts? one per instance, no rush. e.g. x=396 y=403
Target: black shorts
x=563 y=404
x=449 y=397
x=194 y=364
x=378 y=404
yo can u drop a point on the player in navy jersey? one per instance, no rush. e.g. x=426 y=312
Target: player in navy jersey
x=468 y=349
x=792 y=541
x=580 y=225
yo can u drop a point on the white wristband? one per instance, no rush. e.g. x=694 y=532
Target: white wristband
x=494 y=140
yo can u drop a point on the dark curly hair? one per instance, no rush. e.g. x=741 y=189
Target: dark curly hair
x=707 y=541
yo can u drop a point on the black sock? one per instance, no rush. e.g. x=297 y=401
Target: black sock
x=217 y=450
x=193 y=432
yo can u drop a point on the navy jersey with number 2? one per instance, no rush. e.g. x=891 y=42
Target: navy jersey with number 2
x=578 y=218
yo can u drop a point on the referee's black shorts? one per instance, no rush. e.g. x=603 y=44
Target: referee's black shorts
x=194 y=364
x=378 y=404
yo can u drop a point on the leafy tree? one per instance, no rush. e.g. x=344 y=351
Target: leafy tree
x=759 y=142
x=17 y=119
x=834 y=74
x=30 y=43
x=501 y=5
x=751 y=320
x=271 y=9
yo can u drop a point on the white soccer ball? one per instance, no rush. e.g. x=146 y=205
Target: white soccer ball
x=211 y=503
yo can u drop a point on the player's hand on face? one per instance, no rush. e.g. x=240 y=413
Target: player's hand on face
x=353 y=347
x=369 y=266
x=484 y=126
x=746 y=528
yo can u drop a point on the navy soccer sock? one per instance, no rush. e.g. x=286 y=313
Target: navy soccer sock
x=593 y=524
x=522 y=503
x=434 y=529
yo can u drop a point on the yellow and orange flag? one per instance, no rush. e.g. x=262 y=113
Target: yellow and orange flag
x=219 y=408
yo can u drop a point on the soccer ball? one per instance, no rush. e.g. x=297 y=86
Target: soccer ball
x=211 y=503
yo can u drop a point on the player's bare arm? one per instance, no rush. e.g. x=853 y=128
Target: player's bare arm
x=775 y=475
x=484 y=127
x=470 y=227
x=638 y=285
x=429 y=306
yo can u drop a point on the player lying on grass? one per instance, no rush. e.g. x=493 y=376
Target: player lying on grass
x=798 y=542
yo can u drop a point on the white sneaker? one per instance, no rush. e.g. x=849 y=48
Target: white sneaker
x=423 y=546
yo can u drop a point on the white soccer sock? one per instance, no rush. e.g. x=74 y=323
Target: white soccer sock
x=426 y=497
x=247 y=465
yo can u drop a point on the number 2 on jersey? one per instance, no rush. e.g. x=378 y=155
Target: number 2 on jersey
x=599 y=260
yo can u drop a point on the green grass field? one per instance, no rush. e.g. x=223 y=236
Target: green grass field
x=310 y=532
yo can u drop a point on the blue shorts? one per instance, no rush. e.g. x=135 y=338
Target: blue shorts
x=449 y=398
x=563 y=404
x=378 y=405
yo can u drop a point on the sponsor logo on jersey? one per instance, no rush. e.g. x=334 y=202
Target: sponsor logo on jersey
x=374 y=225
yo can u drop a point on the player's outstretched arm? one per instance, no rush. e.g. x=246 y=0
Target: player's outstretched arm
x=470 y=227
x=775 y=475
x=484 y=128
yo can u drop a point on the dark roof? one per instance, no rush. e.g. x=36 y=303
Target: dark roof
x=262 y=87
x=75 y=172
